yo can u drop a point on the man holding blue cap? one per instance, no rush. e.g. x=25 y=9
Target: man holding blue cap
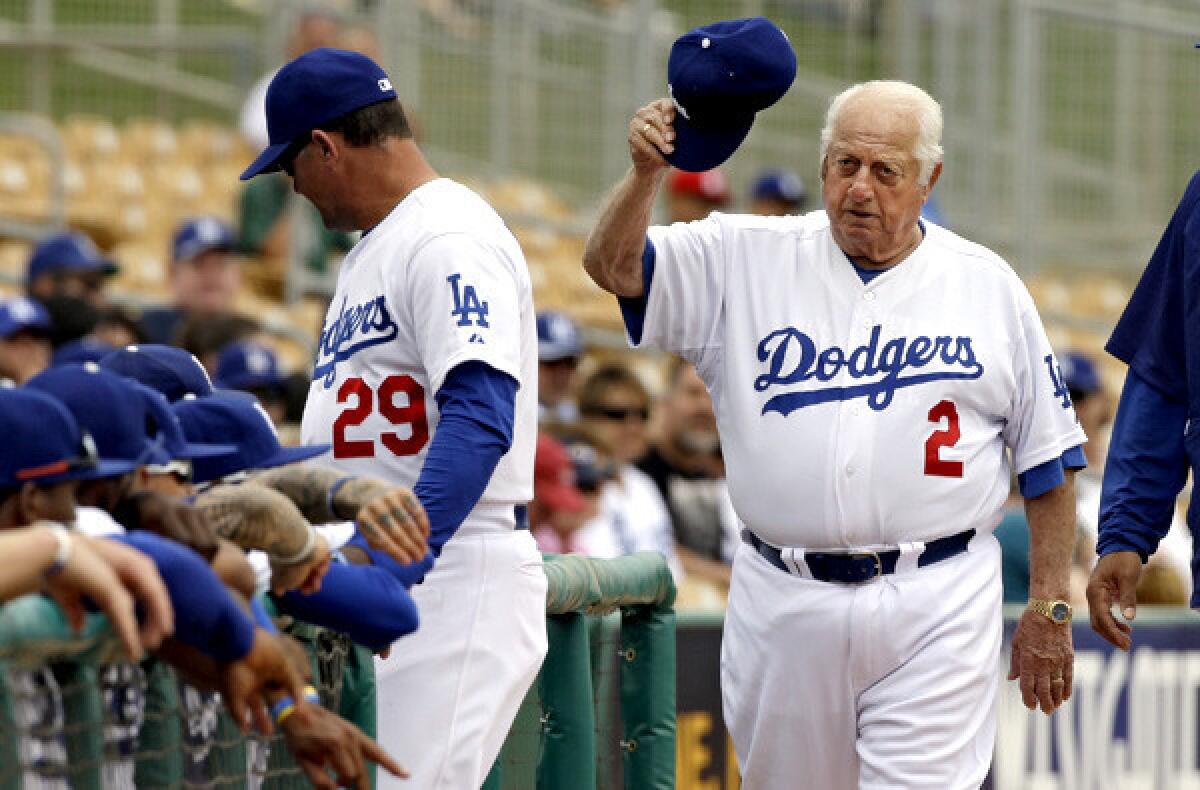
x=876 y=382
x=425 y=377
x=24 y=340
x=205 y=277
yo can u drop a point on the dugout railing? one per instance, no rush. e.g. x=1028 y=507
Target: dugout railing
x=602 y=713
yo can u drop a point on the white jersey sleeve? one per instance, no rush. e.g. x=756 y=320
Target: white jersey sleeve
x=463 y=299
x=683 y=308
x=1041 y=422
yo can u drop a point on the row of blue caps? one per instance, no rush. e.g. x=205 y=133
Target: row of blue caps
x=141 y=405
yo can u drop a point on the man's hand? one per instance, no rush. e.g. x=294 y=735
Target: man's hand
x=266 y=667
x=395 y=523
x=140 y=576
x=652 y=136
x=88 y=574
x=320 y=739
x=1114 y=580
x=303 y=576
x=169 y=518
x=1043 y=661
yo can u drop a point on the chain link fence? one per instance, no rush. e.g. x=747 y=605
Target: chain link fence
x=1068 y=122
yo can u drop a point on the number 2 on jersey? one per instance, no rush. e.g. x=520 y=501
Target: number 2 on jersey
x=411 y=414
x=935 y=465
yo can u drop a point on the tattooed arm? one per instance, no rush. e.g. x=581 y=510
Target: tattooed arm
x=255 y=517
x=391 y=519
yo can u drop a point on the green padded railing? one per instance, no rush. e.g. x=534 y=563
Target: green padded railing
x=565 y=722
x=62 y=724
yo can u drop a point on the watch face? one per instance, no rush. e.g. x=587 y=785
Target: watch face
x=1060 y=612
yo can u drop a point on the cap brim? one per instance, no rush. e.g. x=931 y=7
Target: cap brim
x=101 y=470
x=291 y=455
x=267 y=161
x=194 y=450
x=700 y=148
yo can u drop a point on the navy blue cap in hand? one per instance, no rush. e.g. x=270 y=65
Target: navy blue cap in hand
x=719 y=76
x=315 y=88
x=226 y=418
x=110 y=409
x=167 y=369
x=42 y=442
x=67 y=252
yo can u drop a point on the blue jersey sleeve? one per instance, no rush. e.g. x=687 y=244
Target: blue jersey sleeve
x=1154 y=334
x=633 y=309
x=1145 y=471
x=1050 y=475
x=365 y=602
x=476 y=406
x=207 y=617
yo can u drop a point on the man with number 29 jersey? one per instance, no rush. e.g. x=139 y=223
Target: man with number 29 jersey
x=425 y=376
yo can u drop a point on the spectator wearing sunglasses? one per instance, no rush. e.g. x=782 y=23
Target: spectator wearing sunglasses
x=631 y=510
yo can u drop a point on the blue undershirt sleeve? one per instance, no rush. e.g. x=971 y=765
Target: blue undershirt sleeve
x=1050 y=475
x=633 y=309
x=207 y=617
x=1145 y=471
x=365 y=602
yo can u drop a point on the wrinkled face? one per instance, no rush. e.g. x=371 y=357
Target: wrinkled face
x=208 y=282
x=620 y=419
x=870 y=187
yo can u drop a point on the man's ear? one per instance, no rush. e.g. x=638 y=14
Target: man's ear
x=327 y=145
x=27 y=503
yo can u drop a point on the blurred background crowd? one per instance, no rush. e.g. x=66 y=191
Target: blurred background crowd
x=123 y=128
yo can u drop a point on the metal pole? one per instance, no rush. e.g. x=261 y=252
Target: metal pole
x=168 y=28
x=1027 y=122
x=41 y=23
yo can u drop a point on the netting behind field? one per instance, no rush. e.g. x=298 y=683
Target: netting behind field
x=602 y=713
x=71 y=716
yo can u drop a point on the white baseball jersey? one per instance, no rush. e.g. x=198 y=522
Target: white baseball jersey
x=852 y=414
x=439 y=282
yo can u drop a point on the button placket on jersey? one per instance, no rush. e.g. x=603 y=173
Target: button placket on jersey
x=852 y=464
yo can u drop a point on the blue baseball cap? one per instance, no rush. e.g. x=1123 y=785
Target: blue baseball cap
x=315 y=88
x=558 y=337
x=223 y=418
x=201 y=234
x=174 y=445
x=248 y=365
x=1079 y=373
x=109 y=408
x=76 y=352
x=44 y=444
x=22 y=314
x=167 y=369
x=719 y=76
x=782 y=185
x=67 y=252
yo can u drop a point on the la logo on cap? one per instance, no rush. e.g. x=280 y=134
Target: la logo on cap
x=385 y=85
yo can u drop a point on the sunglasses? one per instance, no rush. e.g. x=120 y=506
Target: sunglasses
x=618 y=413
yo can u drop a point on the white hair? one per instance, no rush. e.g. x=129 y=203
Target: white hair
x=900 y=97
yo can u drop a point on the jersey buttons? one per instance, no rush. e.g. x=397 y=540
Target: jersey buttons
x=869 y=296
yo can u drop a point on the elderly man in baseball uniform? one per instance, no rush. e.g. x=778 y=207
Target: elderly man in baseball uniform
x=876 y=381
x=426 y=376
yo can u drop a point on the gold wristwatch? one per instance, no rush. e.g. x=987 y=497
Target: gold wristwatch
x=1054 y=611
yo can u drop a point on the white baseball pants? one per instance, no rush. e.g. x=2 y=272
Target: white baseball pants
x=448 y=693
x=889 y=684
